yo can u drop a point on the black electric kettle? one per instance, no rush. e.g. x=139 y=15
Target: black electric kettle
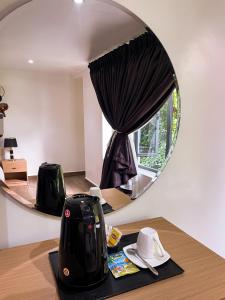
x=50 y=189
x=82 y=249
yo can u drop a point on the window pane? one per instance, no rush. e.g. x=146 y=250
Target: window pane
x=147 y=138
x=176 y=115
x=153 y=140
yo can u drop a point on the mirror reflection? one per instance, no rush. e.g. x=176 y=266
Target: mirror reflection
x=71 y=133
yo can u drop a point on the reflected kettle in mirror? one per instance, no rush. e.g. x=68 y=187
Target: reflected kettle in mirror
x=51 y=193
x=82 y=249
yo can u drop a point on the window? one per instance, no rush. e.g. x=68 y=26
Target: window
x=155 y=139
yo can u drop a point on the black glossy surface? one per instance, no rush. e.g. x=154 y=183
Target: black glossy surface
x=50 y=189
x=111 y=286
x=82 y=248
x=107 y=208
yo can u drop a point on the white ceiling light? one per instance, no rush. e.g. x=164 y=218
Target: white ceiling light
x=78 y=1
x=30 y=61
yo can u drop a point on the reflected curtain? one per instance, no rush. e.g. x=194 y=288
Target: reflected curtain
x=131 y=83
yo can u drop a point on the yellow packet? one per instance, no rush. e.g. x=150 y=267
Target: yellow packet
x=114 y=237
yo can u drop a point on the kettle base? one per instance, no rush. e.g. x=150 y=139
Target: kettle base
x=83 y=287
x=46 y=210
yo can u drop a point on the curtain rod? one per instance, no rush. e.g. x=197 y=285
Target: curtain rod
x=117 y=46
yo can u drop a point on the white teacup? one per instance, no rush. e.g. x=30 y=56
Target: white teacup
x=95 y=191
x=148 y=243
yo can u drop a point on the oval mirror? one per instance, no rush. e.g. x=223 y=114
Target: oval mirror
x=68 y=134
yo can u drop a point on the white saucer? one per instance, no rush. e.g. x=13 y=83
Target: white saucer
x=154 y=261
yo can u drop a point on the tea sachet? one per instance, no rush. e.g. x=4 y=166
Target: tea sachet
x=120 y=265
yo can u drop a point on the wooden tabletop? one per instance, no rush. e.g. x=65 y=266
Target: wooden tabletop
x=25 y=272
x=137 y=185
x=26 y=195
x=116 y=198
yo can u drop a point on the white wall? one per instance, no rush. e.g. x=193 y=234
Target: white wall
x=107 y=132
x=93 y=132
x=191 y=191
x=46 y=116
x=97 y=132
x=20 y=225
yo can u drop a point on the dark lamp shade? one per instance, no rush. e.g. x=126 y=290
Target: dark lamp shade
x=10 y=143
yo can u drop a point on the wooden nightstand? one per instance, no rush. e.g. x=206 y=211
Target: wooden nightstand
x=15 y=171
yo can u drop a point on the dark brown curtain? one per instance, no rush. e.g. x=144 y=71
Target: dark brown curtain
x=131 y=84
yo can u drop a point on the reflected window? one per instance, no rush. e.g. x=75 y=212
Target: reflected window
x=154 y=141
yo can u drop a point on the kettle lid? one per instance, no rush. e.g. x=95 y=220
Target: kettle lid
x=78 y=199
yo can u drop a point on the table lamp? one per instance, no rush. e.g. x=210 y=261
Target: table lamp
x=10 y=143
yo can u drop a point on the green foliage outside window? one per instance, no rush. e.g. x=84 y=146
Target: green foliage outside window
x=153 y=136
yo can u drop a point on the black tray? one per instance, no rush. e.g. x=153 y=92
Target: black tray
x=111 y=286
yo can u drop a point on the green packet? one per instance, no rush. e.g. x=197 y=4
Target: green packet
x=120 y=265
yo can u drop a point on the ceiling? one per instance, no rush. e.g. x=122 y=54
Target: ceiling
x=60 y=35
